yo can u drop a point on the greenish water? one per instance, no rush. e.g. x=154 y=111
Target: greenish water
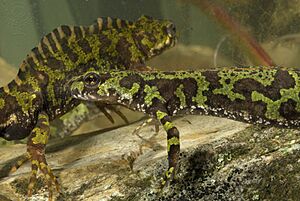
x=24 y=22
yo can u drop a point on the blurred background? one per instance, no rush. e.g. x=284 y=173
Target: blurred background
x=24 y=22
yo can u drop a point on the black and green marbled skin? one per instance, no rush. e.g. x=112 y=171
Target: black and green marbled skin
x=256 y=95
x=36 y=96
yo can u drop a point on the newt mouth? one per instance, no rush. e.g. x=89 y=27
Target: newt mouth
x=82 y=94
x=170 y=41
x=89 y=94
x=171 y=31
x=92 y=96
x=152 y=44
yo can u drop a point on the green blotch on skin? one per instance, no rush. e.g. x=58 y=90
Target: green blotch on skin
x=41 y=136
x=53 y=76
x=114 y=83
x=135 y=54
x=285 y=94
x=202 y=84
x=63 y=57
x=169 y=172
x=160 y=115
x=272 y=106
x=2 y=103
x=45 y=117
x=293 y=93
x=82 y=56
x=151 y=93
x=32 y=82
x=180 y=94
x=68 y=64
x=24 y=99
x=172 y=141
x=168 y=125
x=114 y=36
x=228 y=77
x=77 y=86
x=147 y=42
x=95 y=44
x=134 y=89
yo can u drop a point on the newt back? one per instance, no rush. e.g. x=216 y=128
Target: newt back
x=259 y=95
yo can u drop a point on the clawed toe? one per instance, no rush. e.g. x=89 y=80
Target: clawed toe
x=41 y=164
x=38 y=163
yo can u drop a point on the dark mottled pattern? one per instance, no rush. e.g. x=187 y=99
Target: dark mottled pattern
x=85 y=46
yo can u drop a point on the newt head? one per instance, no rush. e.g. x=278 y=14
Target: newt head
x=103 y=87
x=153 y=36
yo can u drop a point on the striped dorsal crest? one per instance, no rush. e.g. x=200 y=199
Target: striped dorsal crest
x=105 y=23
x=53 y=41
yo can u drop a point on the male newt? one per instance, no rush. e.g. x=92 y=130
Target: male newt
x=36 y=96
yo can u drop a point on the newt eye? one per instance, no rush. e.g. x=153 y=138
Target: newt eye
x=171 y=30
x=91 y=80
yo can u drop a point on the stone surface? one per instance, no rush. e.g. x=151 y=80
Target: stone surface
x=113 y=164
x=221 y=160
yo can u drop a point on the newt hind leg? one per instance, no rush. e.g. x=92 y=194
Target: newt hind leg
x=144 y=124
x=173 y=146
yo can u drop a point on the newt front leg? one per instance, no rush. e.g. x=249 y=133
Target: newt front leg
x=36 y=145
x=36 y=150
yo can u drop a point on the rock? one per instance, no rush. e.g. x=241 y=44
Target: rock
x=255 y=164
x=221 y=160
x=111 y=164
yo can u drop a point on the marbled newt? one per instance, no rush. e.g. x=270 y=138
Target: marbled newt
x=36 y=96
x=256 y=95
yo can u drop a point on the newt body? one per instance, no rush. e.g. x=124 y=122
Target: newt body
x=256 y=95
x=36 y=96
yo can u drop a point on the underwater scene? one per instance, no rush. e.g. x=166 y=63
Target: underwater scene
x=149 y=100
